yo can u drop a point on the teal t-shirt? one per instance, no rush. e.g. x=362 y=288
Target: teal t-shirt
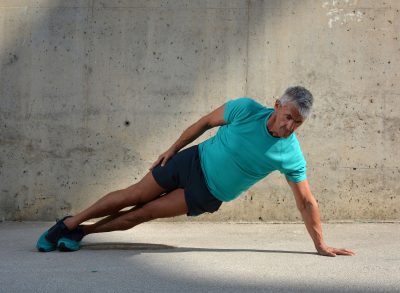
x=243 y=152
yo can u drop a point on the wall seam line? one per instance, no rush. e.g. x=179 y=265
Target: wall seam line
x=247 y=48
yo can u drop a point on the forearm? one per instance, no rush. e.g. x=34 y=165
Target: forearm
x=189 y=135
x=311 y=217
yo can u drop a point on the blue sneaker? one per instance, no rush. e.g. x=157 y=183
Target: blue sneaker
x=71 y=241
x=48 y=240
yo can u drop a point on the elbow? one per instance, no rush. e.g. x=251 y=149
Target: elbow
x=204 y=124
x=307 y=205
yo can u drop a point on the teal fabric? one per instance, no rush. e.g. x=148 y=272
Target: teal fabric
x=243 y=152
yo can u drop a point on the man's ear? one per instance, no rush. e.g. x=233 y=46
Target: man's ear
x=277 y=104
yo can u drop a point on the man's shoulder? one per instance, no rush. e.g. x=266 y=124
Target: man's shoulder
x=249 y=102
x=246 y=101
x=242 y=109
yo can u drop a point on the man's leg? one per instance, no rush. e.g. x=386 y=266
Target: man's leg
x=139 y=193
x=170 y=205
x=111 y=217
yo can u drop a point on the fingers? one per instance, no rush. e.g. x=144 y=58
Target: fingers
x=343 y=251
x=162 y=159
x=331 y=251
x=165 y=161
x=155 y=163
x=327 y=253
x=335 y=251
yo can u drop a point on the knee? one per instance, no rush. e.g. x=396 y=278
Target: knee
x=134 y=195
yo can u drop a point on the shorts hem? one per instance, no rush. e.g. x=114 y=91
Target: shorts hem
x=158 y=181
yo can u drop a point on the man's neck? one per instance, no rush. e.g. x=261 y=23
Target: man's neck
x=271 y=123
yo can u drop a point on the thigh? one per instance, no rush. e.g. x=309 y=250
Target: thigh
x=146 y=189
x=169 y=205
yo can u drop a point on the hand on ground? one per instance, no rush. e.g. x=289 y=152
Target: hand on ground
x=331 y=251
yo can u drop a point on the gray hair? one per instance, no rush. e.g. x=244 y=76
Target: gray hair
x=301 y=97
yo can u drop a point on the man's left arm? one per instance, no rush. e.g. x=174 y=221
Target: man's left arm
x=309 y=210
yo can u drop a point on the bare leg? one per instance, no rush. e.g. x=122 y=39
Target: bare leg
x=144 y=191
x=169 y=205
x=110 y=218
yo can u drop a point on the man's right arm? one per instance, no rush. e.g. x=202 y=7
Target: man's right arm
x=213 y=119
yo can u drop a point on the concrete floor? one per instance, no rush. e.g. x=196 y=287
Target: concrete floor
x=204 y=257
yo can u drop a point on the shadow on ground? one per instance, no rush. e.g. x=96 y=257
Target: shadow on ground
x=150 y=247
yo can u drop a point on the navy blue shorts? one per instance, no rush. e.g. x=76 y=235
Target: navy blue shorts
x=183 y=170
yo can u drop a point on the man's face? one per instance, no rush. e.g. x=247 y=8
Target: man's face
x=288 y=119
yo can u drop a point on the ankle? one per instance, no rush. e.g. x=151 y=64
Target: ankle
x=69 y=223
x=86 y=230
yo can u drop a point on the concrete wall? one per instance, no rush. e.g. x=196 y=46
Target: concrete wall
x=93 y=91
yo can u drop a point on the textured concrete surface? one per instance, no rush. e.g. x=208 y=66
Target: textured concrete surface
x=203 y=257
x=92 y=91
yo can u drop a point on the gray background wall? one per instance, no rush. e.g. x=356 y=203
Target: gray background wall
x=93 y=91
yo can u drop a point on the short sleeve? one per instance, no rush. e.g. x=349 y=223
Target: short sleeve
x=238 y=109
x=297 y=174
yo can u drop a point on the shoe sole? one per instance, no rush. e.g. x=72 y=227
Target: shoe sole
x=68 y=246
x=64 y=248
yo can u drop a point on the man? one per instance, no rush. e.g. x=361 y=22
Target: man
x=252 y=142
